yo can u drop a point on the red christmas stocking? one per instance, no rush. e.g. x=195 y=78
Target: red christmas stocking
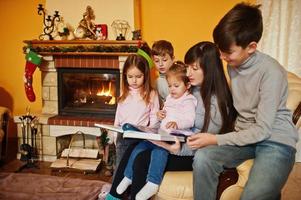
x=32 y=61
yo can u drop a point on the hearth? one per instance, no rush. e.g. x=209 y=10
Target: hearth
x=88 y=92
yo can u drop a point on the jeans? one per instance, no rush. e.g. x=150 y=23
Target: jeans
x=121 y=146
x=272 y=165
x=140 y=168
x=157 y=165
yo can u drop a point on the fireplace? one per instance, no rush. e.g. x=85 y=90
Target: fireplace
x=77 y=77
x=88 y=92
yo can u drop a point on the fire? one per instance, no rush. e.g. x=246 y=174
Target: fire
x=112 y=101
x=107 y=93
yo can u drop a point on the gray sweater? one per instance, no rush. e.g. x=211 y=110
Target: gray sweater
x=260 y=90
x=215 y=122
x=162 y=87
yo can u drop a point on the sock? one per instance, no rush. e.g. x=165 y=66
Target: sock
x=123 y=185
x=32 y=61
x=148 y=190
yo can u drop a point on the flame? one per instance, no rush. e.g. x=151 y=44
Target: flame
x=104 y=92
x=112 y=101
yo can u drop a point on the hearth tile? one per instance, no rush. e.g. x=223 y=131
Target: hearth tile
x=53 y=93
x=49 y=79
x=49 y=145
x=45 y=93
x=50 y=107
x=45 y=130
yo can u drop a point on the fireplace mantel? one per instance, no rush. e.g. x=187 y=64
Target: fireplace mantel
x=84 y=47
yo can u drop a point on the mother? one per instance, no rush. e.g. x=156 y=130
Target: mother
x=214 y=113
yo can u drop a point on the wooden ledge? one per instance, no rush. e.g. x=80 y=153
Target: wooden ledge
x=84 y=47
x=85 y=53
x=83 y=42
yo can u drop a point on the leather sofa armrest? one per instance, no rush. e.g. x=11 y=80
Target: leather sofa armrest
x=297 y=115
x=243 y=171
x=294 y=97
x=4 y=115
x=234 y=191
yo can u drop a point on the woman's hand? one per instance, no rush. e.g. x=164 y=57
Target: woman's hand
x=161 y=114
x=172 y=148
x=200 y=140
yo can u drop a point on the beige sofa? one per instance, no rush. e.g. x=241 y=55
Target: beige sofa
x=178 y=185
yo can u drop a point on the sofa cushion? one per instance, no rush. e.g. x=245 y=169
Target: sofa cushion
x=294 y=91
x=176 y=185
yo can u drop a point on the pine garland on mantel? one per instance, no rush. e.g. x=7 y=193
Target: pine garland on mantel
x=93 y=47
x=81 y=48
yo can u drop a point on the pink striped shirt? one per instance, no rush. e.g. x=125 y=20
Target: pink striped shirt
x=135 y=111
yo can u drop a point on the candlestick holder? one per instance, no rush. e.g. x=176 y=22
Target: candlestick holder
x=48 y=21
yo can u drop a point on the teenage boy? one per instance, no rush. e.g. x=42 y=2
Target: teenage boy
x=163 y=57
x=264 y=130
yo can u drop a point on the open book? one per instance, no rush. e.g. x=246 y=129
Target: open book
x=142 y=132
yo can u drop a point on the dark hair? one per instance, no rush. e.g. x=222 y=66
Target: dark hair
x=142 y=65
x=240 y=26
x=207 y=56
x=161 y=48
x=178 y=70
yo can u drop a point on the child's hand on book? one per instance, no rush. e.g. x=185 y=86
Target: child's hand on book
x=171 y=125
x=161 y=114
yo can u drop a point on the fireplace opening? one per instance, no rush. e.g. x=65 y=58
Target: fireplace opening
x=88 y=92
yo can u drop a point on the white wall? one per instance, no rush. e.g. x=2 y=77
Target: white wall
x=106 y=11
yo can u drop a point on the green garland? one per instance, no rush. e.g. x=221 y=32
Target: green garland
x=81 y=48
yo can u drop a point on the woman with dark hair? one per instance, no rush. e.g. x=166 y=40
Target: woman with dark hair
x=214 y=113
x=205 y=72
